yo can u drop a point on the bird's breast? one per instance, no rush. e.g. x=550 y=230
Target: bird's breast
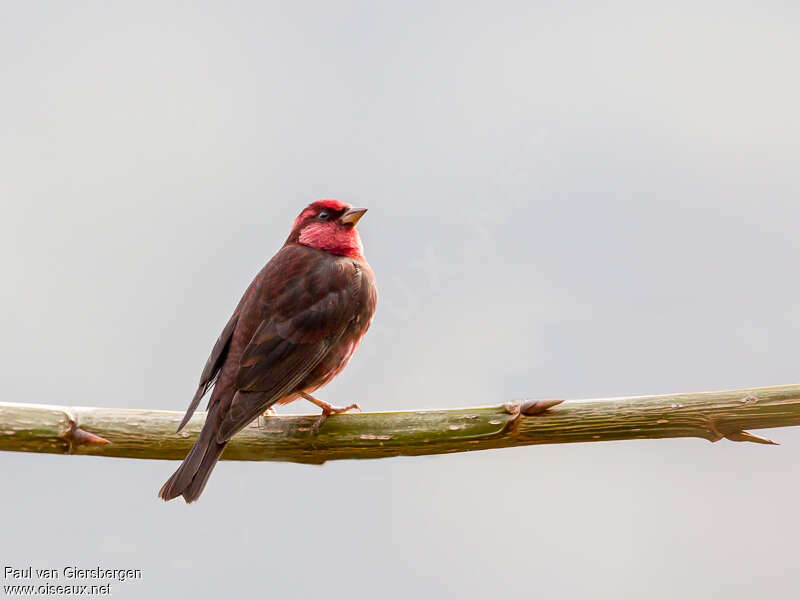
x=338 y=357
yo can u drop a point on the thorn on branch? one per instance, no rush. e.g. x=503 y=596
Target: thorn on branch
x=76 y=437
x=740 y=435
x=530 y=408
x=746 y=436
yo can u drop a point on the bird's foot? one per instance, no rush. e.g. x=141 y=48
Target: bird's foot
x=270 y=412
x=327 y=410
x=332 y=410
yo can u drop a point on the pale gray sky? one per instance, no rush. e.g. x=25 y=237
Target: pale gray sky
x=566 y=199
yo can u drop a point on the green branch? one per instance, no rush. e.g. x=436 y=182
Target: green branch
x=135 y=433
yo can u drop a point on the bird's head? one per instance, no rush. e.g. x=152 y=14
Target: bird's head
x=329 y=225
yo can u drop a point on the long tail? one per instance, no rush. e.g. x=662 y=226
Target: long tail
x=191 y=477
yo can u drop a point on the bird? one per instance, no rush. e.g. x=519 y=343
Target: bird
x=295 y=328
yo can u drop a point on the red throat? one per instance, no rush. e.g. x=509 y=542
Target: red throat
x=332 y=237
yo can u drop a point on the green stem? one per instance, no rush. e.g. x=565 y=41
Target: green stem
x=135 y=433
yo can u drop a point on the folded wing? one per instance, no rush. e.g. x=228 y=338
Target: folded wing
x=303 y=317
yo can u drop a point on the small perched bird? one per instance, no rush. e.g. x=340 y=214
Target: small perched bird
x=294 y=330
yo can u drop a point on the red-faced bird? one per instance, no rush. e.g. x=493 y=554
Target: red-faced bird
x=294 y=330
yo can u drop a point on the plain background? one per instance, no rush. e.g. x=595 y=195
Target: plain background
x=566 y=200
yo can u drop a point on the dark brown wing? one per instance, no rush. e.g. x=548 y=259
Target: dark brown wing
x=212 y=368
x=309 y=298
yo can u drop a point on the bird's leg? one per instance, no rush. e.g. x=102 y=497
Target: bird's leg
x=327 y=410
x=270 y=412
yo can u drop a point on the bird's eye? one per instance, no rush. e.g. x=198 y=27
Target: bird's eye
x=323 y=216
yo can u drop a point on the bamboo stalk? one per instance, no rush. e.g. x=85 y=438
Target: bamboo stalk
x=135 y=433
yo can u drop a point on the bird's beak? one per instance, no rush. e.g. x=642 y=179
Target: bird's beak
x=352 y=215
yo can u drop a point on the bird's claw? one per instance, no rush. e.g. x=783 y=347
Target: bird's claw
x=270 y=412
x=335 y=410
x=329 y=410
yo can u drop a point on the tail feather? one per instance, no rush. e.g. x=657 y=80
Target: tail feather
x=198 y=482
x=191 y=477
